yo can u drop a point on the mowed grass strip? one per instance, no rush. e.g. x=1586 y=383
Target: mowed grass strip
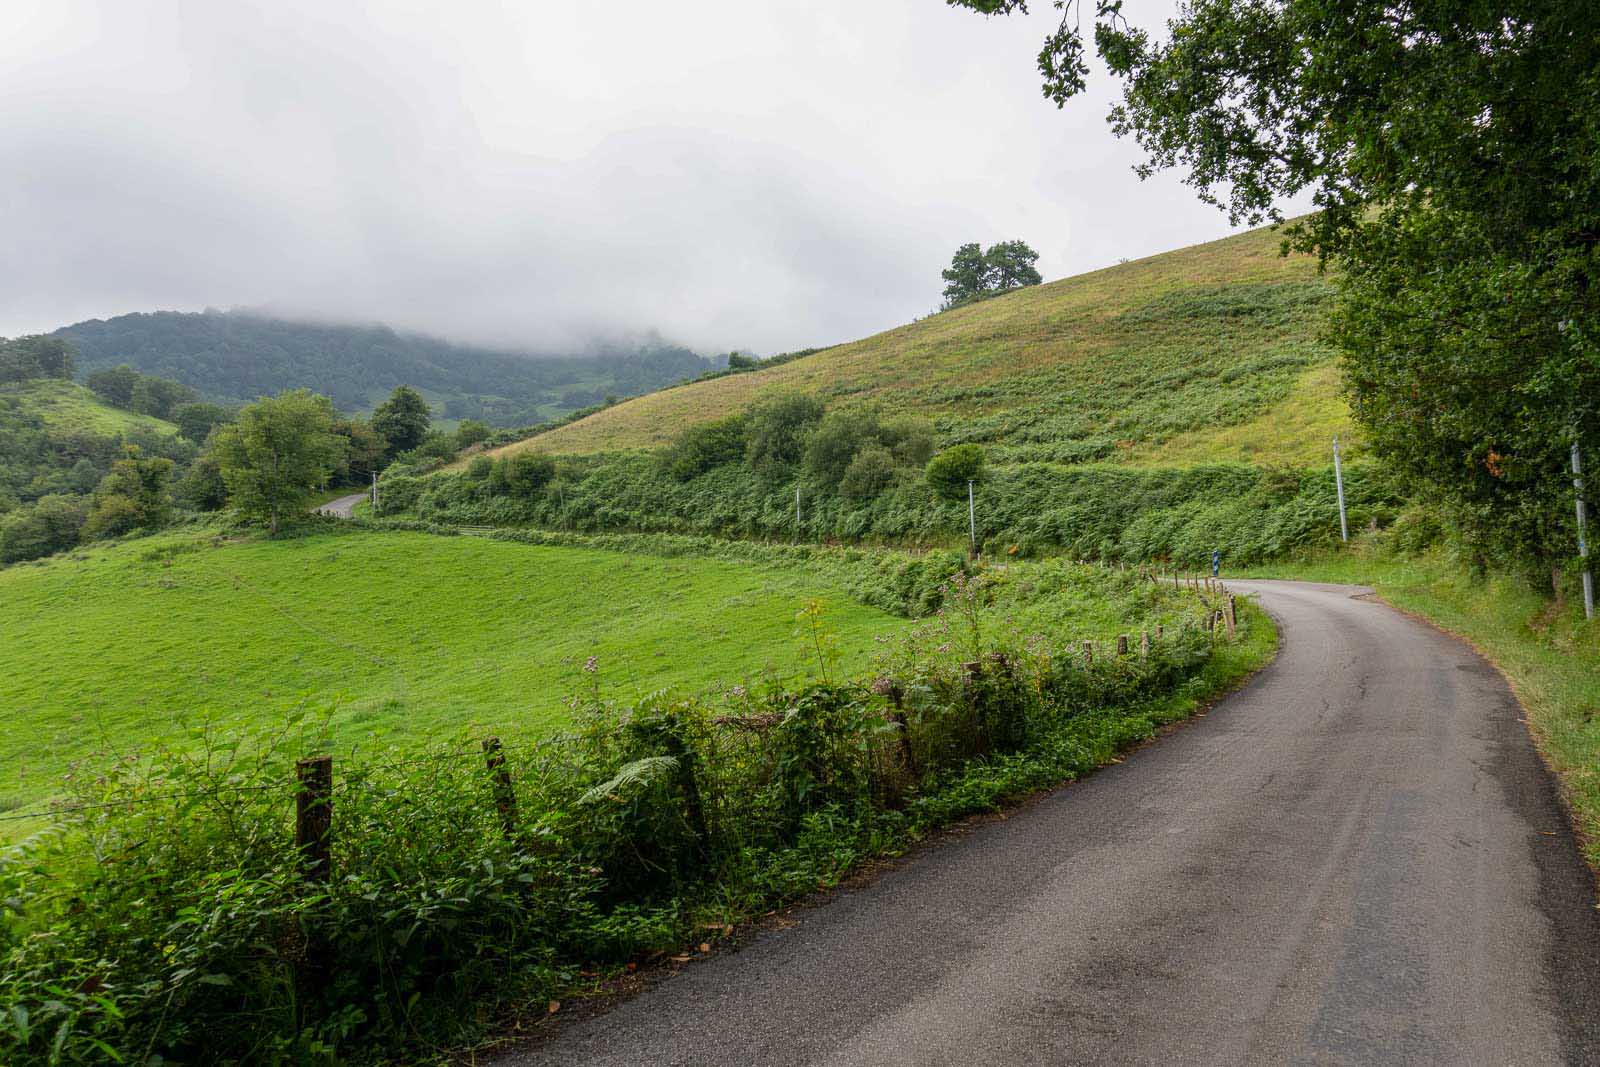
x=406 y=636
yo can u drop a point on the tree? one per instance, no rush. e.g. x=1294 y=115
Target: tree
x=115 y=385
x=136 y=495
x=365 y=449
x=402 y=419
x=776 y=429
x=1453 y=153
x=276 y=452
x=967 y=277
x=704 y=446
x=471 y=432
x=1011 y=267
x=523 y=474
x=36 y=356
x=951 y=470
x=195 y=421
x=51 y=524
x=974 y=274
x=158 y=397
x=870 y=472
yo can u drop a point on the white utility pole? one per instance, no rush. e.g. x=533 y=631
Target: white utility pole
x=797 y=508
x=1583 y=543
x=972 y=519
x=1338 y=481
x=374 y=490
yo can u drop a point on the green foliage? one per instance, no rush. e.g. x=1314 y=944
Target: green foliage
x=203 y=487
x=196 y=420
x=975 y=274
x=950 y=471
x=870 y=472
x=125 y=388
x=136 y=495
x=402 y=420
x=364 y=451
x=524 y=474
x=471 y=432
x=276 y=452
x=776 y=430
x=700 y=448
x=36 y=356
x=50 y=524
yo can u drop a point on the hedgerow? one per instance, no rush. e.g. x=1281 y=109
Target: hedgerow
x=171 y=916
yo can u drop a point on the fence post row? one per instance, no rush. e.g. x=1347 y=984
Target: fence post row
x=1122 y=644
x=313 y=817
x=505 y=798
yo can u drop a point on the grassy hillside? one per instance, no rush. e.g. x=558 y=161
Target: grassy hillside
x=64 y=405
x=1143 y=363
x=405 y=635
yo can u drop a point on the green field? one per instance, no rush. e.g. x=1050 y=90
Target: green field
x=400 y=637
x=65 y=405
x=1145 y=362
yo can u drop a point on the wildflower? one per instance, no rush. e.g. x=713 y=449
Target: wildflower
x=882 y=686
x=591 y=665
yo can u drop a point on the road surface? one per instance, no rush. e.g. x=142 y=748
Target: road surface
x=344 y=507
x=1356 y=859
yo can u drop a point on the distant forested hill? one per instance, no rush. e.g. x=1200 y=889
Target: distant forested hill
x=238 y=356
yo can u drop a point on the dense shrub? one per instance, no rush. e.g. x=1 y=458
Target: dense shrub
x=951 y=470
x=776 y=430
x=51 y=524
x=704 y=446
x=522 y=474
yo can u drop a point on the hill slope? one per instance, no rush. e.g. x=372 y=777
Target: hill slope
x=239 y=356
x=1109 y=365
x=70 y=407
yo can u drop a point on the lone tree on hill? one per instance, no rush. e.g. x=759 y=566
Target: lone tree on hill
x=975 y=274
x=278 y=451
x=403 y=420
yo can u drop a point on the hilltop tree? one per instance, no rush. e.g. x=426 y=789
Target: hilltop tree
x=1453 y=153
x=403 y=420
x=276 y=453
x=975 y=274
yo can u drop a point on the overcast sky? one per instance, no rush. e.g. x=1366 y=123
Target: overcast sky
x=760 y=175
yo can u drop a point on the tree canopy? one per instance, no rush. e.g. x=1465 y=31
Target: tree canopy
x=976 y=274
x=1453 y=152
x=276 y=452
x=403 y=420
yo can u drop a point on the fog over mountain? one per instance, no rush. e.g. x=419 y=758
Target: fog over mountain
x=766 y=176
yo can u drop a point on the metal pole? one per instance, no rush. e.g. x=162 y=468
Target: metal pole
x=1338 y=481
x=797 y=508
x=374 y=490
x=972 y=519
x=1583 y=544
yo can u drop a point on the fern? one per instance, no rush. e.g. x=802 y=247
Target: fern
x=639 y=772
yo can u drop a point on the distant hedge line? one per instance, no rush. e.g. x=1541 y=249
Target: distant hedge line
x=1249 y=514
x=173 y=916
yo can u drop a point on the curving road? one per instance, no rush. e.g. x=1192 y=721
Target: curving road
x=344 y=507
x=1357 y=859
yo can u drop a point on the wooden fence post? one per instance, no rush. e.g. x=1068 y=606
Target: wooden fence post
x=1233 y=615
x=1088 y=653
x=1158 y=631
x=505 y=798
x=898 y=715
x=313 y=817
x=694 y=807
x=1144 y=643
x=1122 y=644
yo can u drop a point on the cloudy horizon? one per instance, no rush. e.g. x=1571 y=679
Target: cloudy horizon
x=762 y=180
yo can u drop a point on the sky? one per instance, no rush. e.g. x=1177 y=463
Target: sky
x=735 y=175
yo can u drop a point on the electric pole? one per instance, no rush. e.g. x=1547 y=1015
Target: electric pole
x=1338 y=481
x=972 y=519
x=1583 y=543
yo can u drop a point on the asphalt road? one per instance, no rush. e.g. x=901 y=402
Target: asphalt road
x=344 y=507
x=1356 y=859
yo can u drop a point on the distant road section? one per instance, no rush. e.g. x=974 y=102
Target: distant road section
x=344 y=507
x=1358 y=859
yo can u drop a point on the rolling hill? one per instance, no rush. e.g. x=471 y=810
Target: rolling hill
x=1202 y=355
x=73 y=408
x=238 y=356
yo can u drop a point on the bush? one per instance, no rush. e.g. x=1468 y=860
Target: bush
x=950 y=471
x=869 y=473
x=481 y=469
x=776 y=429
x=51 y=524
x=523 y=474
x=705 y=446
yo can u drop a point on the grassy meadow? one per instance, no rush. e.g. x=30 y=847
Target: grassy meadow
x=65 y=405
x=397 y=637
x=1144 y=362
